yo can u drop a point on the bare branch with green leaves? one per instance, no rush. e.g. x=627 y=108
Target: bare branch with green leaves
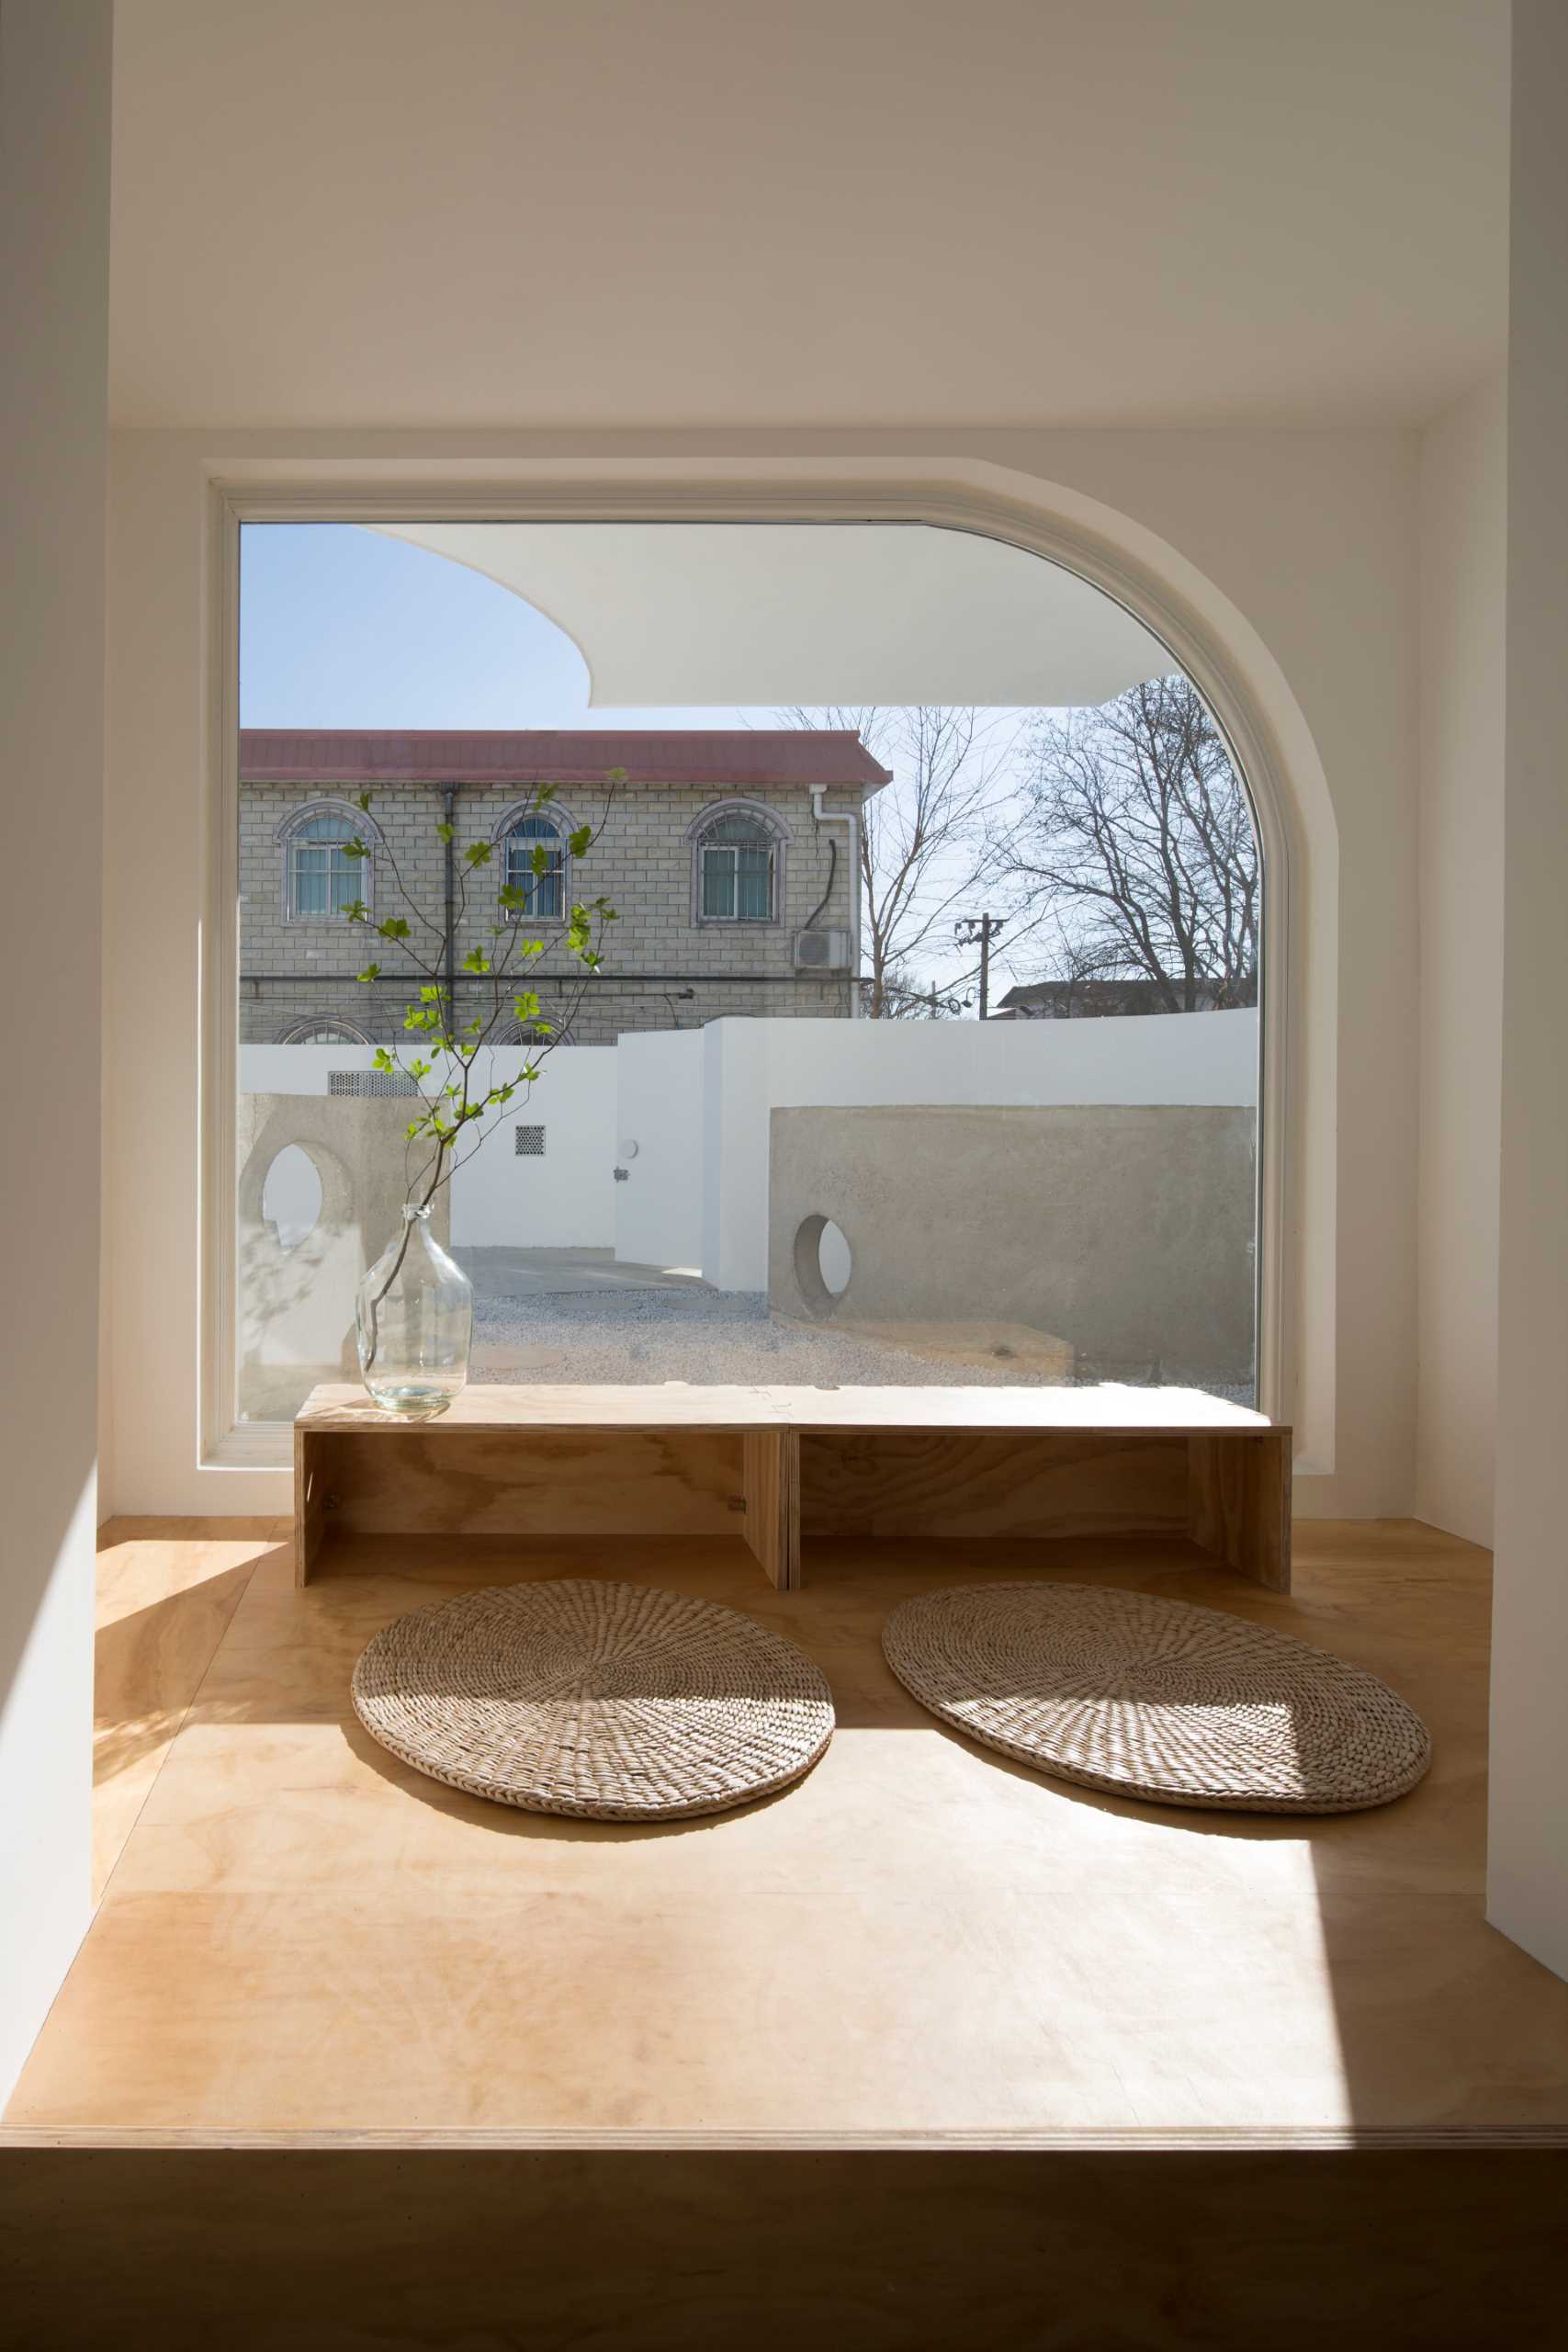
x=461 y=1105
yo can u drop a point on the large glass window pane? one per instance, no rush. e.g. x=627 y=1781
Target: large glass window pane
x=938 y=873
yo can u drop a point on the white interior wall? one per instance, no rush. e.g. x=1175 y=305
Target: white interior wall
x=55 y=207
x=1299 y=545
x=1463 y=562
x=1527 y=1852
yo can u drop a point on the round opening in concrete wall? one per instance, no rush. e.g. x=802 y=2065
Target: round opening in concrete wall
x=822 y=1264
x=291 y=1196
x=833 y=1259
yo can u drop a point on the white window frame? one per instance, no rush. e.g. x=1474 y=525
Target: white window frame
x=1206 y=636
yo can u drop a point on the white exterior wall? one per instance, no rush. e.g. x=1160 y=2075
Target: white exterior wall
x=721 y=1084
x=567 y=1200
x=658 y=1207
x=54 y=236
x=696 y=1104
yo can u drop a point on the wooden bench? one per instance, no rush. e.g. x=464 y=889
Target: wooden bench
x=775 y=1463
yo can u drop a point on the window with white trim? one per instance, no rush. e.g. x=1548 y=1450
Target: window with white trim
x=325 y=876
x=536 y=864
x=322 y=1032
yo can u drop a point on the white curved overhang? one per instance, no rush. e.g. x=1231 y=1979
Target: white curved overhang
x=759 y=614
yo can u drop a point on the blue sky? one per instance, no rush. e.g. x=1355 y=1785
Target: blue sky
x=341 y=626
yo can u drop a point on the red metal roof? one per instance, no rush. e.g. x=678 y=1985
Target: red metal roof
x=723 y=758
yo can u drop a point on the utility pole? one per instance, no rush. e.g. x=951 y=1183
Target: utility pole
x=983 y=928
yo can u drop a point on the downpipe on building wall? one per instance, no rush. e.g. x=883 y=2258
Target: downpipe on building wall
x=851 y=823
x=449 y=818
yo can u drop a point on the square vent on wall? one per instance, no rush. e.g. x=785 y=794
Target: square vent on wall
x=530 y=1143
x=370 y=1082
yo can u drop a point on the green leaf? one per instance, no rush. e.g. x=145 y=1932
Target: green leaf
x=393 y=928
x=545 y=795
x=362 y=800
x=475 y=960
x=478 y=854
x=614 y=775
x=371 y=972
x=511 y=898
x=384 y=1060
x=581 y=842
x=446 y=832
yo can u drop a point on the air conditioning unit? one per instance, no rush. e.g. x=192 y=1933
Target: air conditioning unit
x=821 y=951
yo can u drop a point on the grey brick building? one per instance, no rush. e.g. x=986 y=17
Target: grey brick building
x=727 y=857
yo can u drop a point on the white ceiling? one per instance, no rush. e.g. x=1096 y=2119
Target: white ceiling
x=757 y=614
x=668 y=212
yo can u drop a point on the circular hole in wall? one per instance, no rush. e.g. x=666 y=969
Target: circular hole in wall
x=833 y=1259
x=822 y=1264
x=291 y=1196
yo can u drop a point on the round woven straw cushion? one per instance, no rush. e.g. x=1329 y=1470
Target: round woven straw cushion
x=1153 y=1698
x=606 y=1701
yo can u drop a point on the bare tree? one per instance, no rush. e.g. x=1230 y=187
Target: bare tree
x=906 y=998
x=1133 y=845
x=923 y=837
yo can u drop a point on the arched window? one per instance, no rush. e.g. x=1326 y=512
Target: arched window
x=321 y=875
x=544 y=891
x=322 y=1032
x=737 y=852
x=524 y=1033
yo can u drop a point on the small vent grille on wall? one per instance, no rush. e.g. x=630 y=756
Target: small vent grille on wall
x=370 y=1082
x=530 y=1144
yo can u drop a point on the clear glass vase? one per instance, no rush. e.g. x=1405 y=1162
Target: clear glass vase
x=415 y=1317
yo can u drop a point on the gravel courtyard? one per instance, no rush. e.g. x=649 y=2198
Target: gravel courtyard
x=557 y=1315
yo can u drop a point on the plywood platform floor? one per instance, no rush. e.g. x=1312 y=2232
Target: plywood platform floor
x=297 y=1935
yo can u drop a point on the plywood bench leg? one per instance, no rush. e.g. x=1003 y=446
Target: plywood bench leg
x=1238 y=1502
x=309 y=1505
x=772 y=1503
